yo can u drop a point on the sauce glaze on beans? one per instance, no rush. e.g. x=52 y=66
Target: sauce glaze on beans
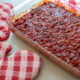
x=55 y=29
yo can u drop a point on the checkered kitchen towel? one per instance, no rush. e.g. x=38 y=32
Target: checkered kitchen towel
x=75 y=4
x=5 y=10
x=5 y=48
x=4 y=14
x=22 y=65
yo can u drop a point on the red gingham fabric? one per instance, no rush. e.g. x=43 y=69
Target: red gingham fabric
x=4 y=14
x=5 y=10
x=75 y=4
x=5 y=48
x=4 y=30
x=22 y=65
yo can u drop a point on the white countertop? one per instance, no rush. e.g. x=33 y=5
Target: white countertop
x=49 y=71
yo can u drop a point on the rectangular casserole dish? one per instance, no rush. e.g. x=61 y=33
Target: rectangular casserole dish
x=26 y=7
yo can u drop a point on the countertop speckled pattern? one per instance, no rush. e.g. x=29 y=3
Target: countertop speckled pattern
x=49 y=70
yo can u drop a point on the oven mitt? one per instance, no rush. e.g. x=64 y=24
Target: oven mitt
x=4 y=30
x=4 y=14
x=76 y=4
x=5 y=48
x=22 y=65
x=5 y=11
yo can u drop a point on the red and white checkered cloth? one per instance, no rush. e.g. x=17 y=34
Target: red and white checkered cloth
x=5 y=10
x=5 y=48
x=22 y=65
x=4 y=30
x=4 y=14
x=75 y=4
